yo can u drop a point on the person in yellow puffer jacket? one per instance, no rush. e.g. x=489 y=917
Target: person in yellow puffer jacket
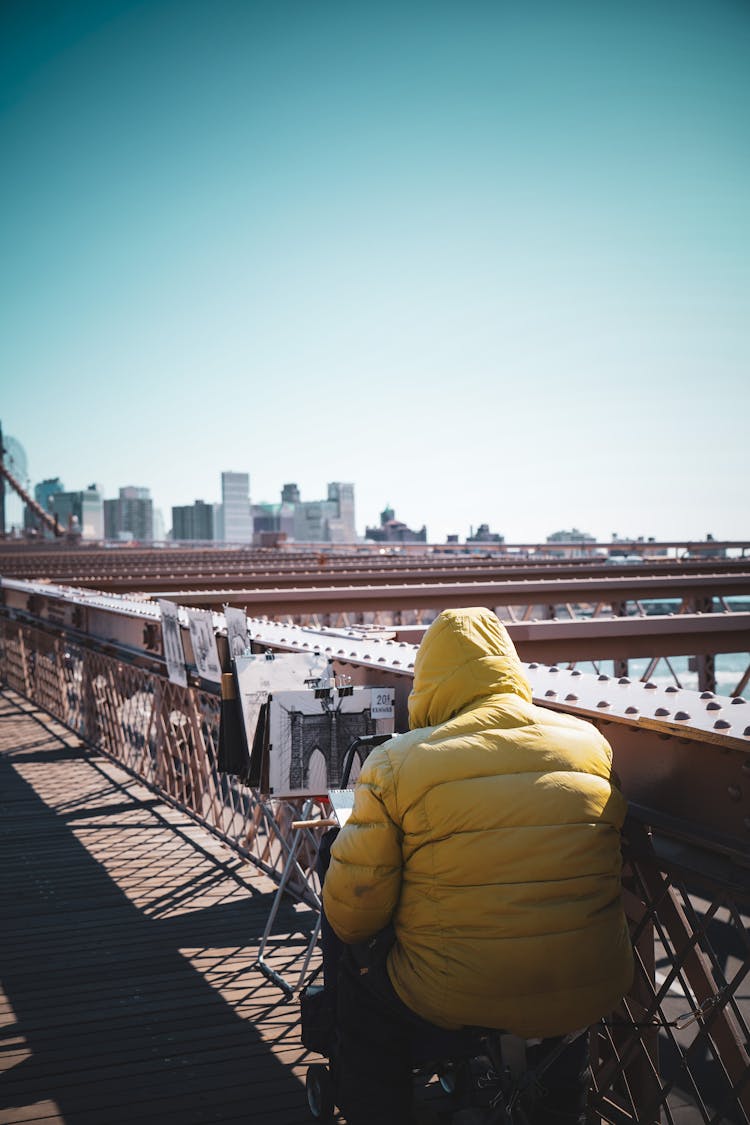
x=487 y=841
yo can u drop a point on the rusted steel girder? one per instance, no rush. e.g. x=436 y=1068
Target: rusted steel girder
x=446 y=595
x=176 y=570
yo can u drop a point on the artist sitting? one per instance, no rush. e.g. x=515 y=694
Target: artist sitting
x=488 y=839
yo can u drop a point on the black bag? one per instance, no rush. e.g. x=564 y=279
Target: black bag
x=318 y=1009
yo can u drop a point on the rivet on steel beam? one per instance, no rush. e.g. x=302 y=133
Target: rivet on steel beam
x=681 y=715
x=603 y=703
x=649 y=685
x=624 y=680
x=550 y=692
x=602 y=677
x=382 y=660
x=410 y=665
x=576 y=672
x=735 y=793
x=631 y=710
x=713 y=706
x=661 y=712
x=553 y=668
x=671 y=688
x=746 y=732
x=721 y=724
x=707 y=695
x=533 y=665
x=739 y=699
x=570 y=697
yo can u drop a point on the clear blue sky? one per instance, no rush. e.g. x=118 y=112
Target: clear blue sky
x=489 y=261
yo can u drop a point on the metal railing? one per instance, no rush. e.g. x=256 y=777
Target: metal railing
x=681 y=1035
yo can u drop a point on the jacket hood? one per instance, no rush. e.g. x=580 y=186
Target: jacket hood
x=465 y=655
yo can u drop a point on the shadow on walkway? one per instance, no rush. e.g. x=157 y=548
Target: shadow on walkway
x=112 y=1022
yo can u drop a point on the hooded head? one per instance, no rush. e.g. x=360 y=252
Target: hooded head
x=465 y=655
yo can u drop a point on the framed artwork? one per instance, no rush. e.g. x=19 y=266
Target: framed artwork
x=203 y=639
x=237 y=638
x=174 y=653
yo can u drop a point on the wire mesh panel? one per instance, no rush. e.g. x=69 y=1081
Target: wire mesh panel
x=164 y=734
x=681 y=1036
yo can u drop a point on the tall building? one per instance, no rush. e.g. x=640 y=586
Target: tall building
x=130 y=516
x=341 y=527
x=81 y=512
x=43 y=493
x=193 y=521
x=318 y=521
x=235 y=501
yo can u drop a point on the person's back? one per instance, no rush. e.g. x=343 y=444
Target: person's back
x=489 y=836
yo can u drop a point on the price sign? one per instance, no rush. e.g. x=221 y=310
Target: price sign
x=381 y=706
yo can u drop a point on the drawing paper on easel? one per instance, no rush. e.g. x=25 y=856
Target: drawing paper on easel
x=309 y=737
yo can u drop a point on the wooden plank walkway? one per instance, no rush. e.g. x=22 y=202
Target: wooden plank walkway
x=127 y=943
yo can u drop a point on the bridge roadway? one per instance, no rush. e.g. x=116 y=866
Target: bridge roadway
x=128 y=940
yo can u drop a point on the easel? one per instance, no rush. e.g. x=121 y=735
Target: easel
x=303 y=831
x=306 y=830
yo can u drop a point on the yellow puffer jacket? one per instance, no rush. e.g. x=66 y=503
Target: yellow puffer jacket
x=490 y=836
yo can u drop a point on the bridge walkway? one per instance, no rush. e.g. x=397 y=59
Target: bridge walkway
x=127 y=944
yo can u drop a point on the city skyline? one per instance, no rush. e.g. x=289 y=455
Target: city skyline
x=488 y=262
x=14 y=515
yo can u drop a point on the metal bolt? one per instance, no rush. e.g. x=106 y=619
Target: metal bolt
x=550 y=692
x=746 y=732
x=661 y=711
x=624 y=680
x=650 y=686
x=739 y=699
x=721 y=724
x=576 y=672
x=681 y=715
x=571 y=697
x=603 y=677
x=533 y=665
x=554 y=668
x=713 y=706
x=707 y=695
x=671 y=688
x=603 y=703
x=631 y=710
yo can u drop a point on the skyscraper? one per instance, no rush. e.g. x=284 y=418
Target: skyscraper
x=79 y=511
x=130 y=516
x=193 y=521
x=235 y=498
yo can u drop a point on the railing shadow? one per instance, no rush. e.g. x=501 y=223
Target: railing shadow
x=116 y=1022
